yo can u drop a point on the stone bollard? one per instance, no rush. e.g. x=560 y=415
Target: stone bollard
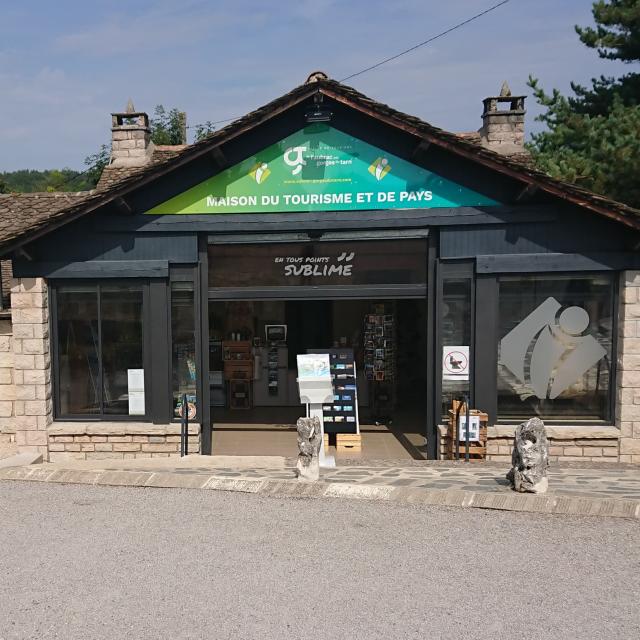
x=530 y=458
x=309 y=441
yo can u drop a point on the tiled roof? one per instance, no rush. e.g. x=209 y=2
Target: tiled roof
x=112 y=175
x=22 y=211
x=20 y=222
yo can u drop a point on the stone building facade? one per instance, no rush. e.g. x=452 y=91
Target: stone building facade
x=486 y=219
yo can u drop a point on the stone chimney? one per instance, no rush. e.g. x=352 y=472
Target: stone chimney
x=131 y=144
x=503 y=129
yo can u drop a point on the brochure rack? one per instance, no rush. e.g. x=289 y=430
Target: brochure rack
x=341 y=416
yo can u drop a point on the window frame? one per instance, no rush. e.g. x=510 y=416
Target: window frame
x=454 y=270
x=54 y=286
x=189 y=274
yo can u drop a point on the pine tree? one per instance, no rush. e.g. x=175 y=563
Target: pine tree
x=593 y=137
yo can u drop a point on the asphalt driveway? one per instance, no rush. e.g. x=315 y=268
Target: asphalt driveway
x=83 y=562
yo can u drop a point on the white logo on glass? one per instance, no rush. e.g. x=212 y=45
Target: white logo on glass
x=293 y=157
x=559 y=353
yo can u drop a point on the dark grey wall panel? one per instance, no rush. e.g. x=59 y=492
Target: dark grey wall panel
x=91 y=239
x=545 y=262
x=569 y=234
x=92 y=269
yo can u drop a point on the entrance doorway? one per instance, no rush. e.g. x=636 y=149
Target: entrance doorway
x=253 y=350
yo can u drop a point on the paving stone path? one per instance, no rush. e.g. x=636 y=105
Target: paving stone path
x=605 y=483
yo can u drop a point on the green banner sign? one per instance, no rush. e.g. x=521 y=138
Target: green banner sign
x=321 y=169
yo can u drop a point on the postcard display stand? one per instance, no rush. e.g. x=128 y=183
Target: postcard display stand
x=316 y=390
x=379 y=362
x=238 y=372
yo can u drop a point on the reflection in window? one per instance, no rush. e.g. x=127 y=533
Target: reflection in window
x=554 y=357
x=456 y=332
x=121 y=314
x=183 y=346
x=78 y=364
x=99 y=334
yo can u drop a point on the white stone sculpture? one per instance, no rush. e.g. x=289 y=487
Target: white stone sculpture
x=309 y=441
x=530 y=458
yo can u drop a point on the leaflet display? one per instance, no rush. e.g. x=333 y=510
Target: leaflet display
x=341 y=415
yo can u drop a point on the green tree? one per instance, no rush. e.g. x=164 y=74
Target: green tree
x=96 y=163
x=203 y=130
x=31 y=180
x=168 y=127
x=4 y=188
x=593 y=137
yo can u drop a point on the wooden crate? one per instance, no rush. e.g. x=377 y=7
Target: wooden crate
x=348 y=442
x=477 y=449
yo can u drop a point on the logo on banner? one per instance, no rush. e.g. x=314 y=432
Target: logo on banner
x=379 y=168
x=548 y=351
x=260 y=172
x=293 y=158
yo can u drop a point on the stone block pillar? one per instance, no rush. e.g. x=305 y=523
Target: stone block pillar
x=33 y=405
x=628 y=383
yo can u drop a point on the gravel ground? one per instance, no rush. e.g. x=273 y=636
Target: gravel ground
x=82 y=562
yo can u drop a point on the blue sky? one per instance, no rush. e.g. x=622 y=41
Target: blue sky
x=66 y=65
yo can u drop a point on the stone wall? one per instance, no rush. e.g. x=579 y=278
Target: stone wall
x=628 y=387
x=33 y=407
x=117 y=440
x=566 y=444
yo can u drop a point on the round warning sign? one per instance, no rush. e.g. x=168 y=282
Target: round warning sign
x=455 y=363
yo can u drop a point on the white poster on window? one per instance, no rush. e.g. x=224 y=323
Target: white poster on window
x=455 y=363
x=135 y=379
x=474 y=428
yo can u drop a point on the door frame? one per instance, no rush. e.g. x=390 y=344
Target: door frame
x=427 y=293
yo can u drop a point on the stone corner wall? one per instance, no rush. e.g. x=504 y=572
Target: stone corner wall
x=32 y=405
x=628 y=377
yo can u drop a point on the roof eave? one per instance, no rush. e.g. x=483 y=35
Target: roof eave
x=471 y=151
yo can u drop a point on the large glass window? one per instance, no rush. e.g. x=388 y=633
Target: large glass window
x=100 y=350
x=555 y=347
x=183 y=347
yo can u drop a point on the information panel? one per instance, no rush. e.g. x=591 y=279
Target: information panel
x=320 y=168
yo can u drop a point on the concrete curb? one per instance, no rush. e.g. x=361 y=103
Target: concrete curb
x=549 y=503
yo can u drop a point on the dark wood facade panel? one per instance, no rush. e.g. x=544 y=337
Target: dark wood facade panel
x=92 y=269
x=568 y=234
x=541 y=262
